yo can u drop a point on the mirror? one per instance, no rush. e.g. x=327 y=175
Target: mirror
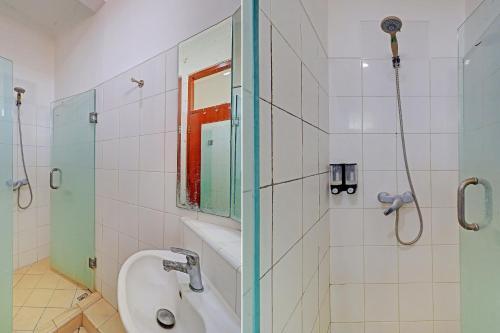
x=208 y=177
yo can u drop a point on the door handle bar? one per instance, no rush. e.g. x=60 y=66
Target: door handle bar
x=51 y=183
x=461 y=203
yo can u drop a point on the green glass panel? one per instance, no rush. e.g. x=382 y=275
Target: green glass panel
x=6 y=231
x=215 y=169
x=479 y=52
x=250 y=167
x=73 y=203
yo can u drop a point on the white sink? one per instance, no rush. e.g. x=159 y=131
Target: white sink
x=144 y=287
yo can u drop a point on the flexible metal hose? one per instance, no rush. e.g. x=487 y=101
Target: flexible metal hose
x=24 y=164
x=408 y=174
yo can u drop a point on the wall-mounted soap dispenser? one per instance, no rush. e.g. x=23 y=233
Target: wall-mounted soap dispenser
x=343 y=177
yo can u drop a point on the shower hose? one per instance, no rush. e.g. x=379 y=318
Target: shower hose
x=24 y=165
x=407 y=167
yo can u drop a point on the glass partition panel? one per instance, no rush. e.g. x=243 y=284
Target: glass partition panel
x=6 y=102
x=479 y=51
x=73 y=188
x=250 y=167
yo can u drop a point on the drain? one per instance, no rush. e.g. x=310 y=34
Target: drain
x=165 y=318
x=82 y=297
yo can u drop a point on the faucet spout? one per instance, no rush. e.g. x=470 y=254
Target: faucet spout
x=190 y=267
x=397 y=201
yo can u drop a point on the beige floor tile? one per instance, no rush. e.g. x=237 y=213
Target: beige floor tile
x=48 y=281
x=28 y=281
x=16 y=278
x=39 y=298
x=49 y=314
x=79 y=293
x=23 y=270
x=15 y=310
x=66 y=284
x=40 y=267
x=113 y=325
x=20 y=296
x=62 y=299
x=27 y=318
x=99 y=313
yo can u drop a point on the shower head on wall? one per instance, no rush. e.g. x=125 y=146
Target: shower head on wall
x=19 y=92
x=392 y=25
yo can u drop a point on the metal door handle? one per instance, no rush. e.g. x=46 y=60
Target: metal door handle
x=52 y=186
x=461 y=204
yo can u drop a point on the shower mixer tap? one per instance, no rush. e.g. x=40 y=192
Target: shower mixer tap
x=397 y=201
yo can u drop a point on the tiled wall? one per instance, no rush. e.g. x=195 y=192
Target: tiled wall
x=294 y=160
x=376 y=284
x=136 y=171
x=32 y=226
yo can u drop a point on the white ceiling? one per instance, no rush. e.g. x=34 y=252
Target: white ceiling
x=51 y=16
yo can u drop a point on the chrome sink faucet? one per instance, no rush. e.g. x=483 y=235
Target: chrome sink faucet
x=190 y=267
x=396 y=201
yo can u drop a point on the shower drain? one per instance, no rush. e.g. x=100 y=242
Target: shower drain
x=165 y=318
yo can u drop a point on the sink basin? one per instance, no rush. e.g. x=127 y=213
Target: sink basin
x=144 y=287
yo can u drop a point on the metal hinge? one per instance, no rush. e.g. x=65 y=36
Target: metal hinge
x=93 y=117
x=92 y=263
x=236 y=121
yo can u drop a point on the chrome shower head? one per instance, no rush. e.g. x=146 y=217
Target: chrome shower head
x=19 y=92
x=391 y=24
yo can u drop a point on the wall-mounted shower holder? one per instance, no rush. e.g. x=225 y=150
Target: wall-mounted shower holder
x=343 y=178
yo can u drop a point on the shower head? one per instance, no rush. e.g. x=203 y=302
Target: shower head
x=19 y=91
x=392 y=25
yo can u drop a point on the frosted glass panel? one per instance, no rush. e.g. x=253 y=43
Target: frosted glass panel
x=73 y=203
x=6 y=103
x=215 y=171
x=480 y=157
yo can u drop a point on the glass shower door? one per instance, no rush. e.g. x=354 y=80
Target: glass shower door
x=478 y=195
x=6 y=102
x=73 y=188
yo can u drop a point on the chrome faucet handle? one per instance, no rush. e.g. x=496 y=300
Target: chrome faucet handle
x=192 y=257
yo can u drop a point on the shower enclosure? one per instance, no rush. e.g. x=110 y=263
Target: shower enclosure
x=72 y=182
x=6 y=230
x=479 y=213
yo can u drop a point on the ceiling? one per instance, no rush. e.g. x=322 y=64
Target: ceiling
x=50 y=16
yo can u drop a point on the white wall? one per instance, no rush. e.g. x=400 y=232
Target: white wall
x=125 y=33
x=470 y=5
x=294 y=163
x=32 y=54
x=377 y=285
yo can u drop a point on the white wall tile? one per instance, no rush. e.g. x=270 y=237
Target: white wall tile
x=444 y=151
x=345 y=77
x=287 y=138
x=287 y=22
x=347 y=264
x=346 y=227
x=379 y=152
x=415 y=302
x=346 y=148
x=286 y=68
x=444 y=115
x=287 y=217
x=287 y=286
x=415 y=264
x=310 y=147
x=381 y=264
x=444 y=77
x=381 y=302
x=379 y=115
x=346 y=114
x=347 y=303
x=446 y=263
x=446 y=301
x=310 y=202
x=310 y=97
